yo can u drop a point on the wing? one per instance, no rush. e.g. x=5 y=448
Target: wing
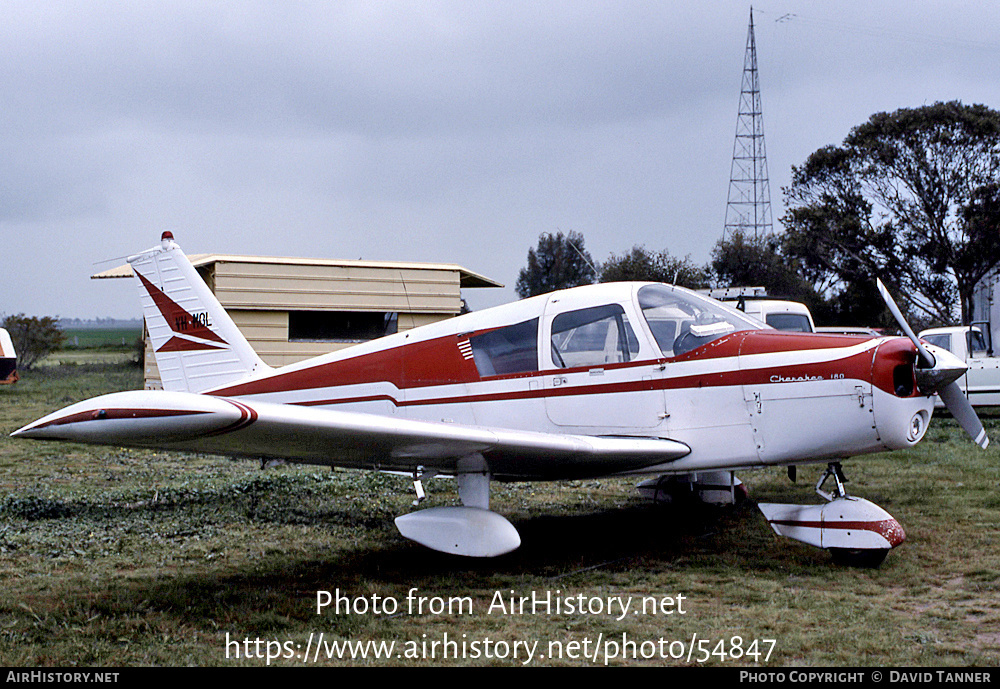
x=229 y=426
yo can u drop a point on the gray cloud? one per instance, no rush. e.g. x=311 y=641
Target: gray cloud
x=439 y=131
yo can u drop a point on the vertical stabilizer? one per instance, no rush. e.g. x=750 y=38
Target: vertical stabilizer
x=197 y=345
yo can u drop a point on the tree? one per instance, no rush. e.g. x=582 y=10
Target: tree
x=560 y=261
x=750 y=261
x=911 y=197
x=33 y=338
x=643 y=265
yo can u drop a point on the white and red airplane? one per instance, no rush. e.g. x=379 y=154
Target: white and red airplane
x=608 y=379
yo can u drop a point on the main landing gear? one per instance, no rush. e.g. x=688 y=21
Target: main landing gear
x=710 y=487
x=472 y=529
x=857 y=532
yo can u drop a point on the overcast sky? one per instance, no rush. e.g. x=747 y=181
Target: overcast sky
x=429 y=131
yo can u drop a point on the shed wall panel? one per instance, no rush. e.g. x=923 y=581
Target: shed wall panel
x=337 y=288
x=259 y=295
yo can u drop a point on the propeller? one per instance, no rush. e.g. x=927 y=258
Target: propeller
x=938 y=372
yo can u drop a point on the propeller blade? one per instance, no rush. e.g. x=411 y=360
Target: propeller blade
x=947 y=369
x=962 y=410
x=932 y=377
x=926 y=359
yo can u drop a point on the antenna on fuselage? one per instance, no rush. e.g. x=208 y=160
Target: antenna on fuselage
x=585 y=259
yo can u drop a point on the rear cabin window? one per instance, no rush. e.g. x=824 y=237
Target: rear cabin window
x=792 y=322
x=593 y=337
x=513 y=349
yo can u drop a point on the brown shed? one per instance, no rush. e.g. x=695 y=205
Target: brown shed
x=291 y=309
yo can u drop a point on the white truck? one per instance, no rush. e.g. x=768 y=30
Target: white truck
x=780 y=314
x=973 y=345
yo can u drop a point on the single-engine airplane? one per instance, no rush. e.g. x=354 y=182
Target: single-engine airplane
x=608 y=379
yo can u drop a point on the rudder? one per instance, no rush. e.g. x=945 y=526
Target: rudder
x=197 y=345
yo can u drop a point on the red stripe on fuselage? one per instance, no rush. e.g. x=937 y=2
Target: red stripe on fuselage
x=439 y=361
x=421 y=364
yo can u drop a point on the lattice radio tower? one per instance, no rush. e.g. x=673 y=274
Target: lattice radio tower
x=749 y=206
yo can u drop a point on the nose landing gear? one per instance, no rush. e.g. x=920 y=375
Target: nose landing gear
x=856 y=531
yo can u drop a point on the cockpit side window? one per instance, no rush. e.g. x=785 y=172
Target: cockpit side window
x=593 y=337
x=681 y=321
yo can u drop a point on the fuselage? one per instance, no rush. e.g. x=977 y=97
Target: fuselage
x=628 y=359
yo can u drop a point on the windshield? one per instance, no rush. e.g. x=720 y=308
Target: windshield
x=681 y=320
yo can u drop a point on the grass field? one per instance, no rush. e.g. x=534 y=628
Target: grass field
x=106 y=338
x=112 y=557
x=83 y=346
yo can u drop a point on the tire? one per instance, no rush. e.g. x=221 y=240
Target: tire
x=866 y=558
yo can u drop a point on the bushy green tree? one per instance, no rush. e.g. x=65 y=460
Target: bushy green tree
x=559 y=261
x=743 y=260
x=910 y=196
x=641 y=264
x=33 y=338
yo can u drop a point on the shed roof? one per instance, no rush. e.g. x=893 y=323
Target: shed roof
x=467 y=278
